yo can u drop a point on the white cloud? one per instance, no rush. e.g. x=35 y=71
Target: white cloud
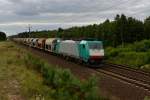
x=51 y=14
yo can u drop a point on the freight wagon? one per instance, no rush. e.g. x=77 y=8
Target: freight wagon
x=51 y=44
x=41 y=43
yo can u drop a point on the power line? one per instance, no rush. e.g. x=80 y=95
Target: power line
x=29 y=29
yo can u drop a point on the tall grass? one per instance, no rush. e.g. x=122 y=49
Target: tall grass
x=65 y=86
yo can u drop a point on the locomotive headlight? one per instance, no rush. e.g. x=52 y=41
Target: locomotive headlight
x=102 y=52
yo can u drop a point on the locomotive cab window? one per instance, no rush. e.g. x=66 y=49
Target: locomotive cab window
x=95 y=46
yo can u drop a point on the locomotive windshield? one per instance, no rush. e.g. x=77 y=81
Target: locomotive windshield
x=95 y=46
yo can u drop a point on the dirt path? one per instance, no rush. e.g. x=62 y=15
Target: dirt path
x=110 y=87
x=9 y=85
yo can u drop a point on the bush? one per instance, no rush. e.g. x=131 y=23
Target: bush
x=64 y=84
x=134 y=55
x=133 y=58
x=111 y=52
x=114 y=52
x=146 y=67
x=142 y=46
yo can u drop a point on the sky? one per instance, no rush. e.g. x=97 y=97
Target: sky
x=16 y=15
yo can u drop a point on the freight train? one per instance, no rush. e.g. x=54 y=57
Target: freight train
x=85 y=50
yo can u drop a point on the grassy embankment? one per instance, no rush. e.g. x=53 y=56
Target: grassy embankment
x=137 y=55
x=24 y=76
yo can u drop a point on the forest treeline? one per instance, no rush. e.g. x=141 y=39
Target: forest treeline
x=120 y=31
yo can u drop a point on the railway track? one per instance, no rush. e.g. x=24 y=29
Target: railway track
x=127 y=68
x=137 y=78
x=134 y=77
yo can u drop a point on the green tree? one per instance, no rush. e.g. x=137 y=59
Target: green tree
x=2 y=36
x=113 y=33
x=147 y=27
